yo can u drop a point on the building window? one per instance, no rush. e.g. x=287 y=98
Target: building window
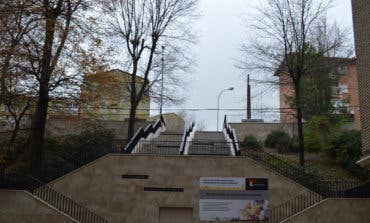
x=342 y=70
x=343 y=88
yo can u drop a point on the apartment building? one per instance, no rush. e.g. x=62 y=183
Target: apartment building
x=344 y=89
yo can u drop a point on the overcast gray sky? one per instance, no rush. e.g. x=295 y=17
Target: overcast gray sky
x=222 y=30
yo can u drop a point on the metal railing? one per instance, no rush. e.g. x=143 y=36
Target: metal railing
x=132 y=143
x=210 y=148
x=68 y=162
x=304 y=176
x=232 y=136
x=142 y=134
x=335 y=189
x=172 y=148
x=184 y=140
x=291 y=207
x=162 y=148
x=52 y=197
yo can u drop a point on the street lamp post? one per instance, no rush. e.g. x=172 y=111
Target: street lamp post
x=218 y=102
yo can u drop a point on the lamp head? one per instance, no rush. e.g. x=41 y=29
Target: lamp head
x=230 y=89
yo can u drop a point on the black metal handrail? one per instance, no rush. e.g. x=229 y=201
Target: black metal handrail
x=143 y=134
x=148 y=131
x=293 y=206
x=231 y=134
x=131 y=145
x=52 y=197
x=187 y=132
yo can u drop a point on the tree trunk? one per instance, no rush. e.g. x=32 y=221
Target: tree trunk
x=38 y=132
x=299 y=121
x=131 y=124
x=39 y=121
x=14 y=135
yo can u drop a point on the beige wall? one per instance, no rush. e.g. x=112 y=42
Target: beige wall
x=22 y=207
x=261 y=130
x=62 y=127
x=335 y=211
x=99 y=186
x=174 y=123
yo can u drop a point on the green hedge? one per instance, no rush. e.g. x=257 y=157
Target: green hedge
x=346 y=148
x=250 y=142
x=279 y=140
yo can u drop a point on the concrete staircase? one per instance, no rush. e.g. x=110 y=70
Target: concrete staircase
x=168 y=143
x=209 y=143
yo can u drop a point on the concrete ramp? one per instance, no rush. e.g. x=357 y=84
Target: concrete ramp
x=23 y=207
x=353 y=210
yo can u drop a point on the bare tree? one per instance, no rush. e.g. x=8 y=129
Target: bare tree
x=285 y=32
x=143 y=26
x=54 y=59
x=15 y=22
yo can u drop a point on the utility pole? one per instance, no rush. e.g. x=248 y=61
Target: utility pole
x=161 y=103
x=249 y=110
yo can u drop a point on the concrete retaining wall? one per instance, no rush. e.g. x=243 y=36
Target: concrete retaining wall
x=22 y=207
x=261 y=130
x=62 y=127
x=100 y=187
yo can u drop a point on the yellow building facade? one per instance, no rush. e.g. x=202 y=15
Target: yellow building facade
x=106 y=96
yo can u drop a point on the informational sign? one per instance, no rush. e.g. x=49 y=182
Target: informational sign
x=233 y=199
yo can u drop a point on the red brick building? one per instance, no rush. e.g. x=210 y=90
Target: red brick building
x=344 y=92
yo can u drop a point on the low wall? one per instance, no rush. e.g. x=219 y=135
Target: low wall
x=261 y=130
x=100 y=187
x=22 y=207
x=335 y=211
x=65 y=126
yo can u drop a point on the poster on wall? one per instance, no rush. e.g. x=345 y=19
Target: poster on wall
x=233 y=199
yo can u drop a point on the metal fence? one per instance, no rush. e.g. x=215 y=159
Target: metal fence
x=313 y=181
x=175 y=148
x=291 y=207
x=67 y=205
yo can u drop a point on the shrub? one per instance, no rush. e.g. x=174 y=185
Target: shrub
x=294 y=146
x=346 y=148
x=250 y=142
x=87 y=144
x=64 y=154
x=273 y=137
x=315 y=133
x=312 y=143
x=279 y=140
x=284 y=144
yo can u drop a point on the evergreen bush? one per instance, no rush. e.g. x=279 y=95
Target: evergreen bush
x=346 y=148
x=250 y=142
x=279 y=140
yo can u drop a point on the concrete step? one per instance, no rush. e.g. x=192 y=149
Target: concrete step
x=209 y=149
x=159 y=147
x=169 y=137
x=209 y=136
